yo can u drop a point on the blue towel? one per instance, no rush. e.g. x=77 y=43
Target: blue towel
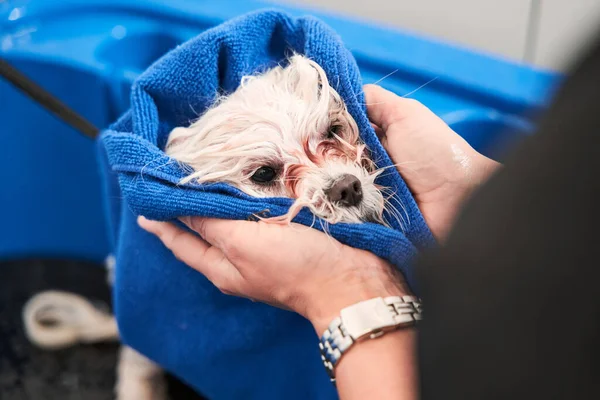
x=226 y=347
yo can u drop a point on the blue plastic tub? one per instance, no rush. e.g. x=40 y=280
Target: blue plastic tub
x=88 y=52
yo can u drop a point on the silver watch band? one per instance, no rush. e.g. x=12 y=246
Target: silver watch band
x=384 y=314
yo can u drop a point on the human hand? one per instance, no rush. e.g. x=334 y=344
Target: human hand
x=302 y=269
x=292 y=267
x=440 y=168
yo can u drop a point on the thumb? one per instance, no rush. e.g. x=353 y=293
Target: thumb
x=385 y=108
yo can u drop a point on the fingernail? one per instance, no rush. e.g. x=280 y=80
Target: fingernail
x=186 y=221
x=144 y=222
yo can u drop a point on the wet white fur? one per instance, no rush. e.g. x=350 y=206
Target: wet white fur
x=276 y=119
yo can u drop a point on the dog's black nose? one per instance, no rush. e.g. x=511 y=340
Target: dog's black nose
x=346 y=191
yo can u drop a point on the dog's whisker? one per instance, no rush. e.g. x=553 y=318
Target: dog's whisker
x=404 y=96
x=420 y=87
x=197 y=114
x=393 y=211
x=387 y=190
x=402 y=206
x=385 y=77
x=401 y=166
x=373 y=104
x=390 y=195
x=158 y=167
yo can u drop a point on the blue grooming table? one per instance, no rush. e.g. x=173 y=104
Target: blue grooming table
x=88 y=52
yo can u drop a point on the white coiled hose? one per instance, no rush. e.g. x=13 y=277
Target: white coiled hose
x=55 y=319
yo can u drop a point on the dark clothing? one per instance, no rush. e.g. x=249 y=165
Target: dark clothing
x=513 y=299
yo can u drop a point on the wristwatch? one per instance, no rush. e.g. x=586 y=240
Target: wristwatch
x=367 y=319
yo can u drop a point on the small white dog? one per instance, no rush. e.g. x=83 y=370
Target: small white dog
x=285 y=133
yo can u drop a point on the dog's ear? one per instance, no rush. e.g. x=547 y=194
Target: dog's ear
x=301 y=68
x=303 y=77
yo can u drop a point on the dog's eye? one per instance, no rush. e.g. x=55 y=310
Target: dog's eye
x=333 y=131
x=264 y=175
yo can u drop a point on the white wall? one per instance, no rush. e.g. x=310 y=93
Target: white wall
x=546 y=33
x=565 y=27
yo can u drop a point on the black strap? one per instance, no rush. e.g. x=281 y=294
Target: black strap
x=47 y=100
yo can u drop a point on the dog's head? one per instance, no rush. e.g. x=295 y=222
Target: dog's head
x=285 y=133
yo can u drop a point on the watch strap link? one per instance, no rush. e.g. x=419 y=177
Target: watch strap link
x=404 y=311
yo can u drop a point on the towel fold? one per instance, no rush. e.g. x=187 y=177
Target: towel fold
x=226 y=347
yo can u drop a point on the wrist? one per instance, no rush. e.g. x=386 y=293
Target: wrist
x=485 y=168
x=364 y=277
x=366 y=320
x=459 y=192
